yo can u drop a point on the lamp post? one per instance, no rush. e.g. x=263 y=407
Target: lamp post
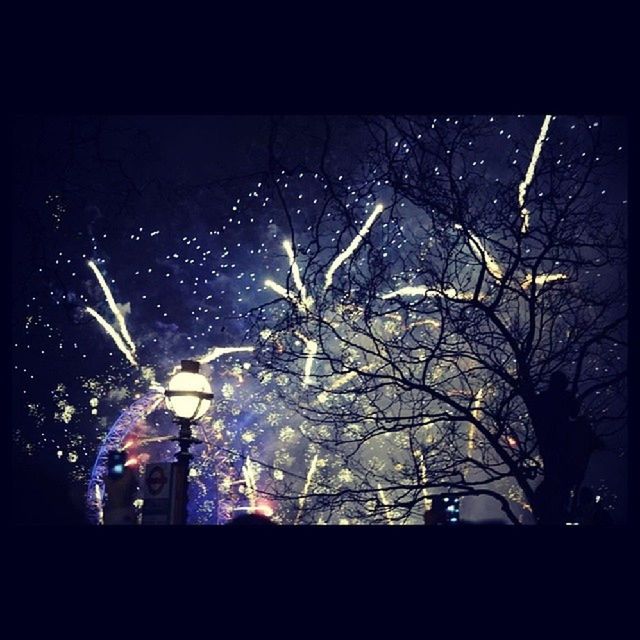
x=188 y=397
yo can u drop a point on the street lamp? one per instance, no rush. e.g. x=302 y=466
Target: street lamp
x=188 y=397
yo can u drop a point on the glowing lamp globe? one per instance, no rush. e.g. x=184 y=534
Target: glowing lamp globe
x=188 y=395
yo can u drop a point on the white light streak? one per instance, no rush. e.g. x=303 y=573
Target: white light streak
x=383 y=499
x=307 y=301
x=311 y=347
x=216 y=352
x=355 y=243
x=431 y=322
x=477 y=246
x=410 y=291
x=113 y=306
x=250 y=482
x=449 y=292
x=341 y=381
x=114 y=335
x=285 y=293
x=543 y=278
x=422 y=467
x=307 y=484
x=336 y=384
x=475 y=412
x=524 y=185
x=99 y=505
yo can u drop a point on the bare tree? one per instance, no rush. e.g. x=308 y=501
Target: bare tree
x=442 y=283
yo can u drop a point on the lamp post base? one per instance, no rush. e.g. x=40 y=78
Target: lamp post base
x=181 y=472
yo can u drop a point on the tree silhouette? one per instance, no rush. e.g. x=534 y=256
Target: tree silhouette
x=449 y=274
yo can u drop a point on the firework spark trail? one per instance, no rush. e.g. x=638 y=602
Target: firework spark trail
x=475 y=412
x=543 y=278
x=311 y=347
x=524 y=185
x=449 y=292
x=383 y=499
x=341 y=381
x=306 y=300
x=113 y=306
x=250 y=482
x=431 y=322
x=285 y=293
x=355 y=243
x=477 y=246
x=99 y=507
x=422 y=467
x=143 y=441
x=420 y=290
x=307 y=484
x=410 y=291
x=216 y=352
x=336 y=384
x=114 y=335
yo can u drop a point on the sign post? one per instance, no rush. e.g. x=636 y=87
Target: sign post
x=158 y=489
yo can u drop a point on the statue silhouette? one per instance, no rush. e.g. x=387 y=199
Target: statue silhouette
x=555 y=410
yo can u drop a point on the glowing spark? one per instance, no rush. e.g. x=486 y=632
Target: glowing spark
x=422 y=467
x=132 y=462
x=114 y=335
x=355 y=243
x=311 y=347
x=307 y=484
x=307 y=301
x=383 y=499
x=113 y=306
x=524 y=185
x=543 y=279
x=266 y=509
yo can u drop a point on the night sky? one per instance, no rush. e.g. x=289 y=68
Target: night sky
x=179 y=215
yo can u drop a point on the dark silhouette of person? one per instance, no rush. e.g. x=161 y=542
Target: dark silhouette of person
x=555 y=409
x=437 y=515
x=590 y=511
x=250 y=519
x=582 y=443
x=41 y=495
